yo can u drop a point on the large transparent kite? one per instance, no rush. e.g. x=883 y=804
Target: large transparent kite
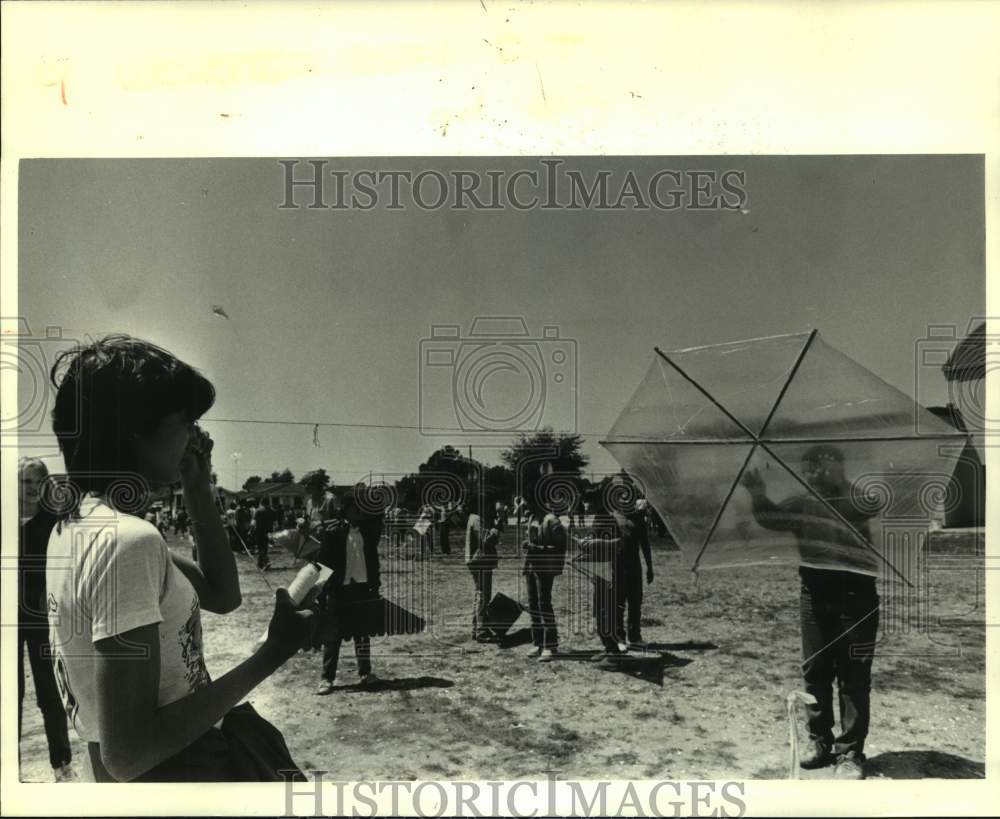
x=709 y=424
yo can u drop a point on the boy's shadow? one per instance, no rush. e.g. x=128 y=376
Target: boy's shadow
x=399 y=684
x=924 y=765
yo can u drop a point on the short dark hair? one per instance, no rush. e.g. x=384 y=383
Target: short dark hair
x=823 y=452
x=111 y=389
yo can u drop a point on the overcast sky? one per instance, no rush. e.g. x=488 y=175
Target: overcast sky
x=328 y=307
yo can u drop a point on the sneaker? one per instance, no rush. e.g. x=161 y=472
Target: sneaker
x=535 y=652
x=65 y=773
x=816 y=755
x=368 y=680
x=547 y=655
x=623 y=648
x=485 y=637
x=325 y=687
x=849 y=766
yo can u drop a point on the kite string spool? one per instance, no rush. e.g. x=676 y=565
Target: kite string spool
x=793 y=699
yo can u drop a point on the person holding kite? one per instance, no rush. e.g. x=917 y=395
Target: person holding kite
x=839 y=610
x=482 y=533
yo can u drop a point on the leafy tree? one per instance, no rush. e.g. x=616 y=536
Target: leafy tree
x=252 y=481
x=530 y=457
x=316 y=475
x=563 y=450
x=282 y=477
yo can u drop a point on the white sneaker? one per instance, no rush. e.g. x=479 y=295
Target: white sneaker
x=65 y=773
x=547 y=656
x=535 y=651
x=623 y=648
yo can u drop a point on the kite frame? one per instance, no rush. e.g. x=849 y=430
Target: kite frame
x=759 y=440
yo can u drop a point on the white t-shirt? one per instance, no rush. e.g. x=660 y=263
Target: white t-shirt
x=108 y=573
x=355 y=570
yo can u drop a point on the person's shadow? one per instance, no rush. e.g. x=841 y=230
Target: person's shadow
x=924 y=765
x=688 y=645
x=399 y=684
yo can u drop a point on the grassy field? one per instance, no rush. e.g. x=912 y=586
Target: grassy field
x=707 y=701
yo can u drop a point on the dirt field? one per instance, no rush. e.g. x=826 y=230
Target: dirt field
x=708 y=701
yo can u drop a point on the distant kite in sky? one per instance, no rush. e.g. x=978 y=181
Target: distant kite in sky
x=217 y=309
x=316 y=435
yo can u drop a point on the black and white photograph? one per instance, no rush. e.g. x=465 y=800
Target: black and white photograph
x=562 y=469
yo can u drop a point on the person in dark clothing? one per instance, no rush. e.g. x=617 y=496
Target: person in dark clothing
x=263 y=522
x=482 y=533
x=635 y=529
x=839 y=610
x=356 y=575
x=36 y=524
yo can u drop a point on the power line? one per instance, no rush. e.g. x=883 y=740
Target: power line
x=368 y=426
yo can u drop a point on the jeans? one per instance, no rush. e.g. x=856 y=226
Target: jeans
x=544 y=633
x=839 y=628
x=36 y=639
x=607 y=610
x=630 y=596
x=262 y=556
x=483 y=581
x=362 y=642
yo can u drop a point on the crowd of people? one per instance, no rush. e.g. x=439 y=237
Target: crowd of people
x=125 y=407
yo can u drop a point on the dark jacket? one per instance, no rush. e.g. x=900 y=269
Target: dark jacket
x=32 y=547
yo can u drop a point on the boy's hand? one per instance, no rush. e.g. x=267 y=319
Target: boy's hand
x=196 y=465
x=290 y=629
x=753 y=482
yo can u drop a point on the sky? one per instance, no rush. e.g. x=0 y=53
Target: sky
x=331 y=310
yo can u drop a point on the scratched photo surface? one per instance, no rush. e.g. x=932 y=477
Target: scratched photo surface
x=433 y=333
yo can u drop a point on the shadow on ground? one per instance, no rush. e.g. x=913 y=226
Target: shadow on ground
x=400 y=684
x=924 y=765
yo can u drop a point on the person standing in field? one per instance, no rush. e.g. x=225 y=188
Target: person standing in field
x=36 y=523
x=634 y=526
x=482 y=533
x=544 y=555
x=839 y=610
x=354 y=561
x=124 y=611
x=263 y=525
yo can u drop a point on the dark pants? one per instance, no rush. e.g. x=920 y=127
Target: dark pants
x=607 y=612
x=362 y=642
x=262 y=560
x=36 y=639
x=839 y=628
x=483 y=581
x=544 y=633
x=630 y=597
